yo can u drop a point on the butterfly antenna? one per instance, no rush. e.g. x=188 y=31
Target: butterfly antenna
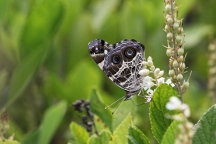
x=114 y=102
x=118 y=105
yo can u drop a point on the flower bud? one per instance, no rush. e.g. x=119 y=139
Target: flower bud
x=171 y=73
x=178 y=38
x=180 y=51
x=180 y=30
x=169 y=35
x=174 y=79
x=176 y=26
x=157 y=70
x=144 y=72
x=179 y=77
x=166 y=28
x=180 y=59
x=152 y=68
x=170 y=61
x=149 y=58
x=144 y=63
x=161 y=73
x=169 y=20
x=175 y=64
x=182 y=66
x=185 y=85
x=169 y=52
x=168 y=7
x=150 y=63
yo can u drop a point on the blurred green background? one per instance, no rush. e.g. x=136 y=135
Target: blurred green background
x=44 y=58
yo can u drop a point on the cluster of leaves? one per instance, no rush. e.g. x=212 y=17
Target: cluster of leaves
x=163 y=129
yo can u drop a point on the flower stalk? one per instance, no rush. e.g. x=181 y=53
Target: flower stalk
x=185 y=127
x=175 y=47
x=212 y=70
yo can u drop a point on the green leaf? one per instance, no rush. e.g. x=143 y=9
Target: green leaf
x=9 y=142
x=121 y=111
x=52 y=119
x=98 y=108
x=195 y=33
x=72 y=12
x=136 y=136
x=185 y=7
x=40 y=26
x=94 y=140
x=159 y=123
x=78 y=42
x=23 y=74
x=102 y=10
x=4 y=7
x=132 y=19
x=205 y=132
x=85 y=75
x=31 y=138
x=120 y=135
x=80 y=135
x=171 y=133
x=103 y=138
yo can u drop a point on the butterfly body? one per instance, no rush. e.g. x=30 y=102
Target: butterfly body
x=121 y=62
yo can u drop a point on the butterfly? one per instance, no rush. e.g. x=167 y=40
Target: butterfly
x=121 y=62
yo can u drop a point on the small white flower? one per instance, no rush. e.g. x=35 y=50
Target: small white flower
x=161 y=73
x=186 y=110
x=148 y=99
x=150 y=63
x=149 y=58
x=150 y=92
x=144 y=72
x=145 y=63
x=152 y=68
x=157 y=70
x=169 y=82
x=174 y=103
x=160 y=80
x=147 y=82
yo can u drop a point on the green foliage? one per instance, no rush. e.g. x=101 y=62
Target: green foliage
x=9 y=142
x=196 y=33
x=136 y=136
x=206 y=128
x=103 y=138
x=120 y=134
x=80 y=135
x=171 y=133
x=125 y=131
x=51 y=121
x=158 y=111
x=98 y=108
x=34 y=44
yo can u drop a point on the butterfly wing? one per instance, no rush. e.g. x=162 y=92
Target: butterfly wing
x=122 y=65
x=121 y=62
